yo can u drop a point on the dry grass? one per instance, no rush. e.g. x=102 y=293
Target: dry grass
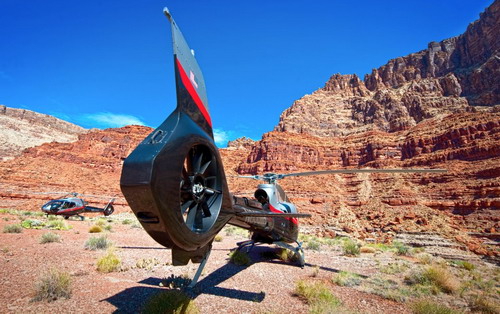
x=109 y=262
x=170 y=301
x=52 y=286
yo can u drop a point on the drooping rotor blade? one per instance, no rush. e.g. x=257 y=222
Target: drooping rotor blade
x=347 y=171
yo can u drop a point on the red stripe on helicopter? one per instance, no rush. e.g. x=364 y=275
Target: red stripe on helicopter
x=291 y=219
x=70 y=210
x=192 y=91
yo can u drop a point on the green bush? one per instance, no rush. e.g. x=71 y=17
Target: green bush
x=239 y=258
x=318 y=296
x=127 y=221
x=435 y=276
x=58 y=225
x=170 y=301
x=16 y=228
x=32 y=224
x=313 y=245
x=401 y=249
x=95 y=229
x=98 y=243
x=351 y=248
x=347 y=279
x=109 y=262
x=429 y=307
x=50 y=237
x=52 y=286
x=218 y=238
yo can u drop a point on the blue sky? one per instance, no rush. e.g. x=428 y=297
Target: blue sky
x=109 y=63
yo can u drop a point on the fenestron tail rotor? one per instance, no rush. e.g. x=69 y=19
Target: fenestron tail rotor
x=200 y=190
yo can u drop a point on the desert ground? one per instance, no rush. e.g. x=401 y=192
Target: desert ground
x=377 y=280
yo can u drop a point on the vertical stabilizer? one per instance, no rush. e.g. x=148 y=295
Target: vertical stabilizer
x=190 y=85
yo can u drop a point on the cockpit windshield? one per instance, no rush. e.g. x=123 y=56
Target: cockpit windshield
x=53 y=205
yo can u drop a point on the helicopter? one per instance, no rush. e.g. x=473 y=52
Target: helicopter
x=175 y=183
x=72 y=205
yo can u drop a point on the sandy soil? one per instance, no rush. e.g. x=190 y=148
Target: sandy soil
x=265 y=286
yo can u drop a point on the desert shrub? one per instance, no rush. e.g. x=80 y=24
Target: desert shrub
x=435 y=276
x=483 y=304
x=176 y=282
x=394 y=268
x=58 y=225
x=53 y=285
x=50 y=237
x=108 y=227
x=464 y=264
x=32 y=224
x=379 y=246
x=367 y=249
x=15 y=228
x=424 y=306
x=101 y=222
x=285 y=255
x=95 y=229
x=233 y=230
x=218 y=238
x=424 y=258
x=239 y=258
x=351 y=248
x=127 y=221
x=147 y=263
x=387 y=288
x=97 y=243
x=401 y=249
x=347 y=279
x=170 y=301
x=109 y=262
x=317 y=295
x=313 y=245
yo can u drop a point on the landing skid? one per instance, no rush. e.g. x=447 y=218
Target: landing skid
x=299 y=252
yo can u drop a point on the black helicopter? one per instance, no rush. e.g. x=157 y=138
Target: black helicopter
x=73 y=205
x=175 y=183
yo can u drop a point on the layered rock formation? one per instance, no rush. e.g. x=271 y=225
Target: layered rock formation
x=20 y=129
x=437 y=108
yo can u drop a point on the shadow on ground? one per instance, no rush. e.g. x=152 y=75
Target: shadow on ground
x=131 y=300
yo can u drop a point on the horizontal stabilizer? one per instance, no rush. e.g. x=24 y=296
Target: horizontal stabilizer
x=272 y=215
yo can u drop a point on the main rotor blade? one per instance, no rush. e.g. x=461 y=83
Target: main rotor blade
x=347 y=171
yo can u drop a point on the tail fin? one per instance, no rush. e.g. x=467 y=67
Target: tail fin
x=190 y=85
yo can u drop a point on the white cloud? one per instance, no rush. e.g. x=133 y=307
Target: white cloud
x=220 y=137
x=110 y=120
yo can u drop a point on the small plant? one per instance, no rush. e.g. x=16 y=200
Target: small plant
x=239 y=258
x=101 y=222
x=424 y=306
x=464 y=264
x=367 y=249
x=95 y=229
x=313 y=245
x=482 y=304
x=127 y=221
x=218 y=238
x=317 y=295
x=170 y=301
x=15 y=228
x=435 y=276
x=285 y=255
x=108 y=228
x=424 y=258
x=401 y=249
x=315 y=272
x=351 y=248
x=147 y=263
x=32 y=224
x=50 y=237
x=97 y=243
x=58 y=225
x=176 y=282
x=347 y=279
x=52 y=286
x=237 y=231
x=109 y=262
x=394 y=268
